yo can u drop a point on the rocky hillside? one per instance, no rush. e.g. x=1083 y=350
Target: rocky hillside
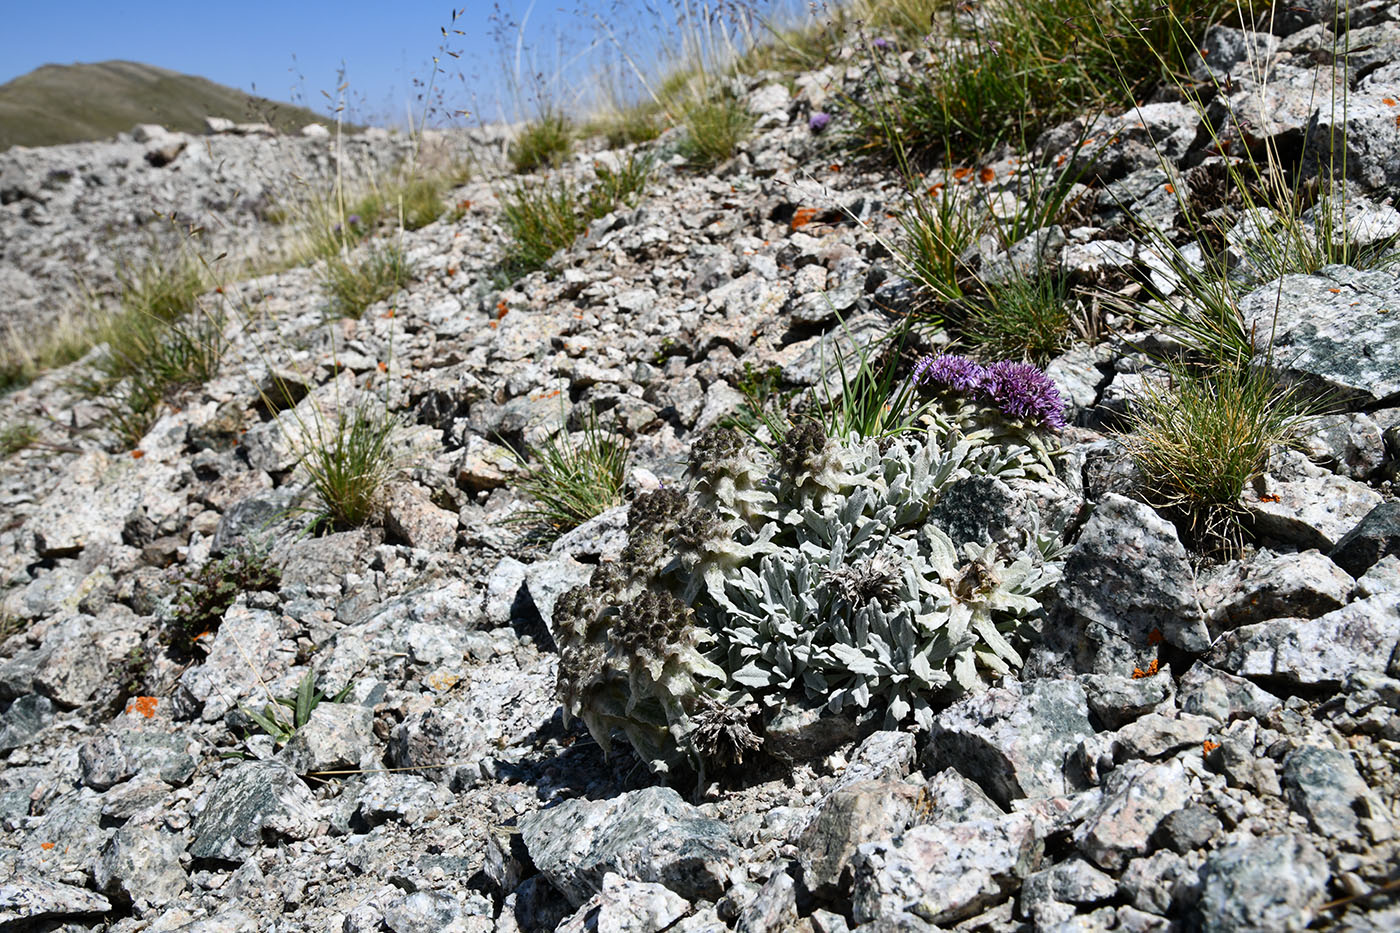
x=58 y=104
x=963 y=676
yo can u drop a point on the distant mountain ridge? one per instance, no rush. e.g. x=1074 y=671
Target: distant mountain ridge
x=56 y=104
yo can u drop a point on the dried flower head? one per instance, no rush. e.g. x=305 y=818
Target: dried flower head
x=722 y=733
x=874 y=578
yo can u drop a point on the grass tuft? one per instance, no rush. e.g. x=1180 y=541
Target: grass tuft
x=544 y=142
x=572 y=479
x=1199 y=439
x=1024 y=318
x=714 y=127
x=16 y=437
x=350 y=464
x=354 y=284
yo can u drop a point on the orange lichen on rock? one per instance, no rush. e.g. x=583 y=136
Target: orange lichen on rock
x=145 y=706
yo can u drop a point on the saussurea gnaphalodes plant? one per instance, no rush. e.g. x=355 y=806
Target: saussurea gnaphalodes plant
x=815 y=573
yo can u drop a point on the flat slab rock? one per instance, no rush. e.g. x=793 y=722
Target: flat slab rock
x=1340 y=327
x=646 y=835
x=250 y=800
x=943 y=873
x=1360 y=636
x=33 y=899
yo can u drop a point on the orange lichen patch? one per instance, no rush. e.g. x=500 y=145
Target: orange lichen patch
x=393 y=312
x=541 y=396
x=1388 y=101
x=1208 y=746
x=1061 y=160
x=46 y=846
x=451 y=271
x=1268 y=497
x=1170 y=189
x=1155 y=637
x=802 y=217
x=491 y=324
x=987 y=175
x=935 y=190
x=145 y=706
x=1335 y=291
x=501 y=309
x=1151 y=670
x=835 y=166
x=962 y=174
x=383 y=366
x=137 y=454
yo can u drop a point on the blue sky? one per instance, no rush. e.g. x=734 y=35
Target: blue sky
x=295 y=50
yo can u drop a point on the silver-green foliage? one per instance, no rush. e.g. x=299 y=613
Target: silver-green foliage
x=818 y=574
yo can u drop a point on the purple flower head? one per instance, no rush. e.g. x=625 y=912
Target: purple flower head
x=951 y=372
x=818 y=121
x=882 y=43
x=353 y=220
x=1022 y=391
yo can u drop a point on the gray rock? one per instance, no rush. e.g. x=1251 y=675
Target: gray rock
x=72 y=672
x=69 y=836
x=1377 y=535
x=645 y=835
x=25 y=721
x=866 y=812
x=250 y=801
x=1187 y=829
x=624 y=906
x=1336 y=328
x=1128 y=575
x=943 y=873
x=1304 y=506
x=1261 y=885
x=1323 y=785
x=1382 y=578
x=883 y=756
x=547 y=580
x=601 y=538
x=247 y=650
x=1269 y=585
x=1156 y=735
x=337 y=736
x=436 y=912
x=952 y=798
x=1014 y=740
x=112 y=758
x=24 y=902
x=411 y=517
x=1358 y=637
x=1159 y=883
x=505 y=591
x=1118 y=700
x=774 y=908
x=1205 y=691
x=1349 y=444
x=802 y=730
x=140 y=863
x=1047 y=893
x=1135 y=802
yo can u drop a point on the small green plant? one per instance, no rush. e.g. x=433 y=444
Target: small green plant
x=545 y=141
x=939 y=227
x=16 y=437
x=351 y=463
x=353 y=285
x=11 y=625
x=875 y=401
x=273 y=721
x=24 y=355
x=1201 y=437
x=201 y=596
x=1024 y=318
x=624 y=185
x=420 y=199
x=629 y=125
x=714 y=127
x=572 y=479
x=160 y=342
x=540 y=220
